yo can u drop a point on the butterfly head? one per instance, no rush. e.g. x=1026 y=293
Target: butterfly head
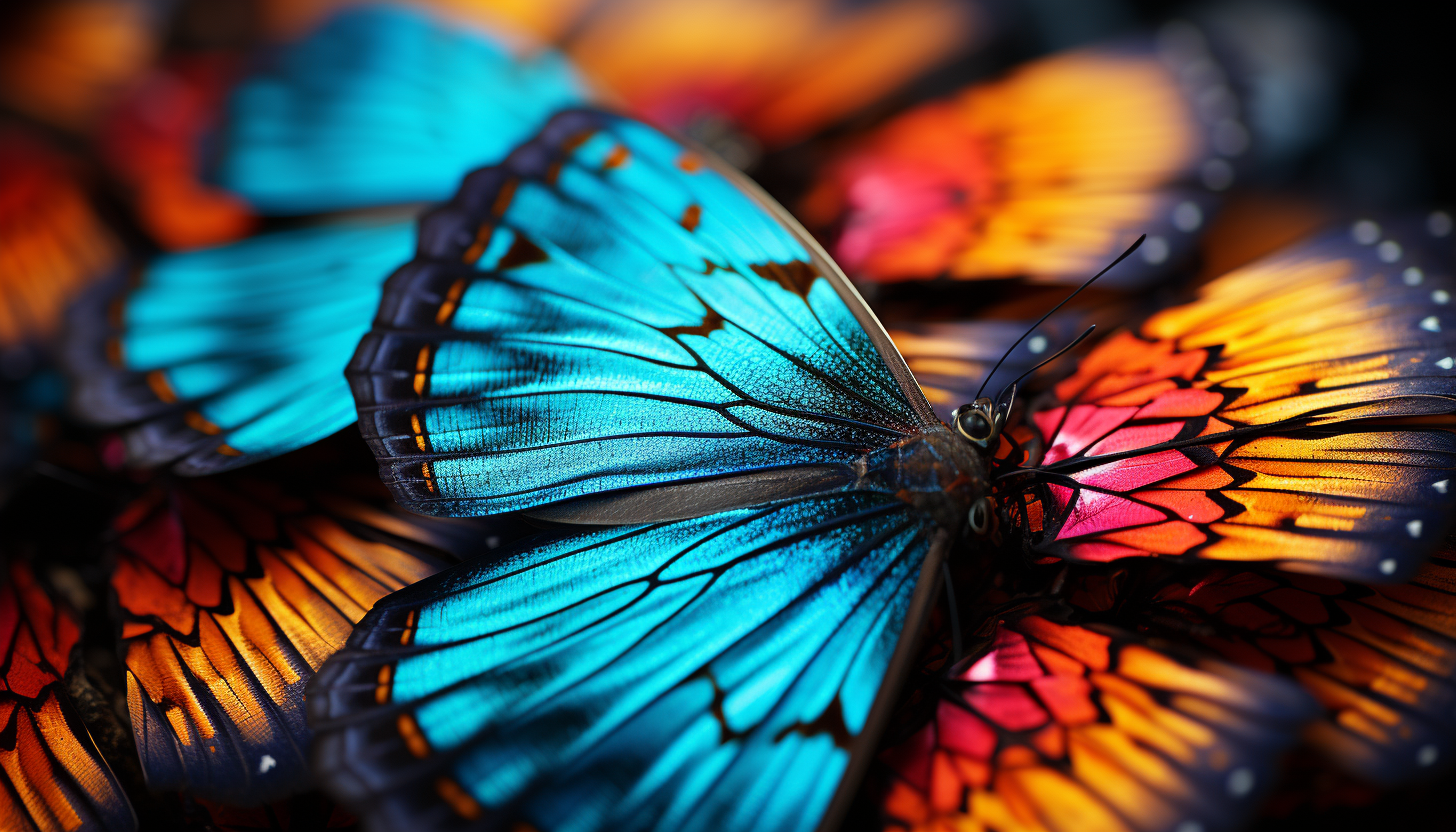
x=979 y=423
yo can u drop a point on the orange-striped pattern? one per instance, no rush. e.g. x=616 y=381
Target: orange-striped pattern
x=54 y=779
x=1065 y=728
x=233 y=592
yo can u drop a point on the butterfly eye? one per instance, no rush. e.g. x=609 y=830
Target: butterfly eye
x=980 y=516
x=974 y=422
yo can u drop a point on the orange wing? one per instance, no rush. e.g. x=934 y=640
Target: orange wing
x=233 y=592
x=1292 y=414
x=51 y=242
x=1047 y=174
x=1060 y=727
x=54 y=778
x=63 y=62
x=1381 y=661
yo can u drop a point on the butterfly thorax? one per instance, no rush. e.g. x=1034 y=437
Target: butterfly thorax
x=934 y=470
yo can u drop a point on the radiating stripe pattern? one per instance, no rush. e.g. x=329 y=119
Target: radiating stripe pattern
x=714 y=673
x=605 y=311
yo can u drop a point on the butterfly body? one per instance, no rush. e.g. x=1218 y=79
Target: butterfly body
x=934 y=470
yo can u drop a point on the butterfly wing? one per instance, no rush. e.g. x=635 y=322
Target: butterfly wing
x=52 y=244
x=383 y=105
x=53 y=776
x=1380 y=660
x=1064 y=726
x=1278 y=418
x=221 y=357
x=1046 y=174
x=714 y=673
x=605 y=313
x=232 y=593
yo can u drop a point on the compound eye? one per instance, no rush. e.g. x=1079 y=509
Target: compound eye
x=974 y=424
x=980 y=516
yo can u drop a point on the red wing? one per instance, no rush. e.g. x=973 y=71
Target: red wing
x=52 y=245
x=233 y=591
x=1381 y=661
x=1277 y=418
x=1048 y=173
x=1064 y=728
x=53 y=776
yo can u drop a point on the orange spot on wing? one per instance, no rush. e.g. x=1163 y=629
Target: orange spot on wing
x=691 y=216
x=383 y=689
x=503 y=198
x=200 y=423
x=690 y=162
x=157 y=380
x=458 y=799
x=422 y=365
x=617 y=158
x=478 y=245
x=414 y=738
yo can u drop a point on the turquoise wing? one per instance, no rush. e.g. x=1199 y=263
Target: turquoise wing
x=718 y=673
x=607 y=312
x=384 y=105
x=217 y=358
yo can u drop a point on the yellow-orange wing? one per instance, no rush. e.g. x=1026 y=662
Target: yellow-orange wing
x=233 y=591
x=52 y=244
x=1380 y=660
x=1296 y=413
x=1062 y=727
x=52 y=778
x=1047 y=174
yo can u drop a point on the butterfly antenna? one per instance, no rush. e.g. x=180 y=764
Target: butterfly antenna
x=1053 y=310
x=955 y=620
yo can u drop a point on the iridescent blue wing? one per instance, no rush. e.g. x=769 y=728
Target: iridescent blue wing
x=606 y=311
x=718 y=673
x=221 y=357
x=384 y=105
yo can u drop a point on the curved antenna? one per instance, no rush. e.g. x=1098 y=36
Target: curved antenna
x=1052 y=311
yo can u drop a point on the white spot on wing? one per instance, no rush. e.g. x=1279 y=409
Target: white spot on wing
x=1428 y=755
x=1387 y=566
x=1037 y=344
x=1389 y=251
x=1365 y=232
x=1240 y=782
x=1414 y=527
x=266 y=763
x=1441 y=486
x=1431 y=324
x=1446 y=363
x=1412 y=276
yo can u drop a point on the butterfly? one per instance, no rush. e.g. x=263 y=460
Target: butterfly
x=610 y=329
x=232 y=591
x=54 y=777
x=1045 y=174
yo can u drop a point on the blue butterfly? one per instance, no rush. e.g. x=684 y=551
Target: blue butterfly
x=608 y=329
x=222 y=357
